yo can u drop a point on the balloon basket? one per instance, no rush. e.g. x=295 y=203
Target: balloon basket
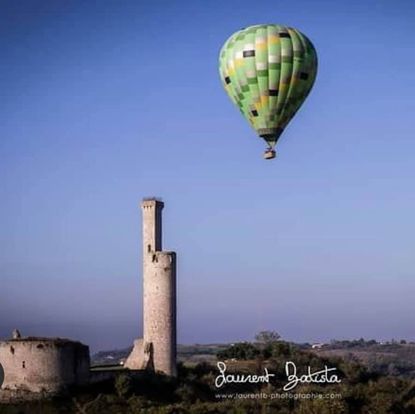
x=269 y=154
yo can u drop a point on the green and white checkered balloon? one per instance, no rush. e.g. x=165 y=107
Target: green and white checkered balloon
x=268 y=71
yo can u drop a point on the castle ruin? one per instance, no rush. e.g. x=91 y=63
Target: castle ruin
x=157 y=349
x=49 y=365
x=39 y=365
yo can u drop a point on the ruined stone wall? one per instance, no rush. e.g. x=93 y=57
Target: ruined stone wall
x=43 y=364
x=141 y=356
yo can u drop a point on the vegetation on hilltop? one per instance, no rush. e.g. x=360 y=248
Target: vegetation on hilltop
x=362 y=391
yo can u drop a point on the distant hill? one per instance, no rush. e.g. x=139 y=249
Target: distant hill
x=189 y=354
x=390 y=358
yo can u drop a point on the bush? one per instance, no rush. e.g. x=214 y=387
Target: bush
x=124 y=385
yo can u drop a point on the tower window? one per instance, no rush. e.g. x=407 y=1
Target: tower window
x=24 y=364
x=149 y=248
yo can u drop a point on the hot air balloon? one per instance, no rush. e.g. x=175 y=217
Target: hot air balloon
x=268 y=70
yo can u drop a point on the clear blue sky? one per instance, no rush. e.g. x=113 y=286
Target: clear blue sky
x=104 y=102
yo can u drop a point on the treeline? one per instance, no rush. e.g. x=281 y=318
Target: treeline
x=361 y=390
x=362 y=343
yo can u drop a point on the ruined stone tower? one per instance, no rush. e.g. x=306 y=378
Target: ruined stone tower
x=157 y=349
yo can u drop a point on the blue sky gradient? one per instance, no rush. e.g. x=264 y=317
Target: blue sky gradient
x=103 y=103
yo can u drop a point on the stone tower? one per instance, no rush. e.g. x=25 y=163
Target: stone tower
x=157 y=349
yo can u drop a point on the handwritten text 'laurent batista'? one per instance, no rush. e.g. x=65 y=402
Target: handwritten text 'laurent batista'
x=324 y=376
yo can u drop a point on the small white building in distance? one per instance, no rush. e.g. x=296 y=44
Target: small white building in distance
x=318 y=346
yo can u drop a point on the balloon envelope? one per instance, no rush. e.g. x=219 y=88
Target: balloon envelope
x=268 y=71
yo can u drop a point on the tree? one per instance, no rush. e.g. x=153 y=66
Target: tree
x=243 y=350
x=267 y=337
x=123 y=385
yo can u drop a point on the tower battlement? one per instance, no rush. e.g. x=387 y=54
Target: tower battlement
x=159 y=199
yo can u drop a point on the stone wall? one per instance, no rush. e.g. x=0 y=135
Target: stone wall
x=43 y=364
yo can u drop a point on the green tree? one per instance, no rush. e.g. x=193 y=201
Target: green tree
x=124 y=385
x=267 y=337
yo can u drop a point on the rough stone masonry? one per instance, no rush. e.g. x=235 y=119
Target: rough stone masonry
x=157 y=349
